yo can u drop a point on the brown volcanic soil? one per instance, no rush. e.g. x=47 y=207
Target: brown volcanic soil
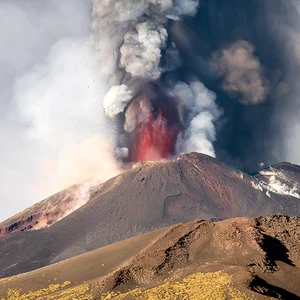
x=149 y=196
x=261 y=256
x=46 y=212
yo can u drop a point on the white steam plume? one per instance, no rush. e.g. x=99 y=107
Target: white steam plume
x=91 y=160
x=116 y=99
x=200 y=132
x=242 y=72
x=135 y=33
x=58 y=92
x=141 y=50
x=50 y=92
x=138 y=33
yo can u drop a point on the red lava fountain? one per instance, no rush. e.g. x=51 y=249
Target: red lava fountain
x=154 y=139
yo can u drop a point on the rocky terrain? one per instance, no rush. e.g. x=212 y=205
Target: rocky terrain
x=240 y=258
x=149 y=196
x=49 y=211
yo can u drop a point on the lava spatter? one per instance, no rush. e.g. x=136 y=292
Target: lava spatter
x=155 y=138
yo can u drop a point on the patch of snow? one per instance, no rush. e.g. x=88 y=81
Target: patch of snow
x=277 y=183
x=257 y=185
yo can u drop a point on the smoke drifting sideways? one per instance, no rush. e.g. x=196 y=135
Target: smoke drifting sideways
x=52 y=129
x=243 y=75
x=253 y=46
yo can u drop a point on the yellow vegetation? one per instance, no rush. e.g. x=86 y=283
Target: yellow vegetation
x=215 y=285
x=53 y=292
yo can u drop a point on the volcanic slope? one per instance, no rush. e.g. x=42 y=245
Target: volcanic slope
x=238 y=258
x=49 y=211
x=149 y=196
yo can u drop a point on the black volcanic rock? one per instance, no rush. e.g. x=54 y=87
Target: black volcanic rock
x=149 y=196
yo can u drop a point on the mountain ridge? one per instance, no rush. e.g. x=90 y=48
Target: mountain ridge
x=144 y=198
x=233 y=257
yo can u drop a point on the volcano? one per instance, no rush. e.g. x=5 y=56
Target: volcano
x=149 y=196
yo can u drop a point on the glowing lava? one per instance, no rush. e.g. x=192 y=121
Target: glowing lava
x=154 y=139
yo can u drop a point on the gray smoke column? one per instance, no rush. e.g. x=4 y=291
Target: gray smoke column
x=132 y=39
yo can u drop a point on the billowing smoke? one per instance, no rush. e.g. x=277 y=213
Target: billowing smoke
x=244 y=53
x=156 y=78
x=116 y=100
x=141 y=50
x=242 y=72
x=50 y=85
x=91 y=159
x=202 y=111
x=182 y=112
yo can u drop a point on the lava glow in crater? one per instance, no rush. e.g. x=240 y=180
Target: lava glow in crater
x=154 y=139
